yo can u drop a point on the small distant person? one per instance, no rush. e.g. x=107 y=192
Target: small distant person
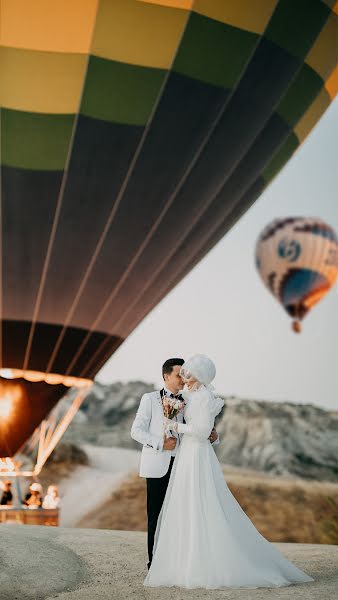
x=52 y=498
x=7 y=495
x=34 y=497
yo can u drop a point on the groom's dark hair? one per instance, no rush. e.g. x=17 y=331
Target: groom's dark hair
x=169 y=364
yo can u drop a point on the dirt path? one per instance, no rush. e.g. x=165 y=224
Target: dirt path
x=90 y=486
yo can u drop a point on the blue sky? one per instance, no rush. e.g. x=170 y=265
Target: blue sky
x=222 y=308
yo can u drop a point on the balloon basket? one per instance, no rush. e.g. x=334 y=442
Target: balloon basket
x=296 y=327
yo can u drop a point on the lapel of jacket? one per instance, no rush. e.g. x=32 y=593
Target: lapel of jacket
x=159 y=399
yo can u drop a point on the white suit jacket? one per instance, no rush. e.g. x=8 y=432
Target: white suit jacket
x=147 y=429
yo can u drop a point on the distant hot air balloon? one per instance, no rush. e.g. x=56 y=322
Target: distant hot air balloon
x=134 y=134
x=297 y=258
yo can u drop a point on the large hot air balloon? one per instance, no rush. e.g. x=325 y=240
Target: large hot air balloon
x=297 y=259
x=134 y=134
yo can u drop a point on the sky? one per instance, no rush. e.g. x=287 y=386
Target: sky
x=223 y=310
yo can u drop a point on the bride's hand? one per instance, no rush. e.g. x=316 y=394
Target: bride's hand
x=213 y=435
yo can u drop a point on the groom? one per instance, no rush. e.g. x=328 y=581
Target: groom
x=158 y=455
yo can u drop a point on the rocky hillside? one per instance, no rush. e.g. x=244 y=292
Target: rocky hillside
x=107 y=414
x=279 y=438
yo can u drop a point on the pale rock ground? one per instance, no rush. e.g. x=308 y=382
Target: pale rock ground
x=44 y=563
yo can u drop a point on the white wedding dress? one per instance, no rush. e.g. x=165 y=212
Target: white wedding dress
x=203 y=537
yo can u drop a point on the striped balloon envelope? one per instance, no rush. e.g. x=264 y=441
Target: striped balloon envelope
x=134 y=134
x=297 y=258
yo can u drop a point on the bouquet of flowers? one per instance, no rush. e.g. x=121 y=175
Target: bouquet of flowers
x=171 y=408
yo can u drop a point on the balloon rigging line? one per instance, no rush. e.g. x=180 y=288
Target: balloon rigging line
x=204 y=241
x=199 y=214
x=118 y=200
x=201 y=242
x=162 y=214
x=110 y=219
x=203 y=249
x=237 y=164
x=179 y=277
x=294 y=76
x=58 y=205
x=189 y=266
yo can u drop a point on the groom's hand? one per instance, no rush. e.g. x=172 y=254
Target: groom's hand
x=169 y=443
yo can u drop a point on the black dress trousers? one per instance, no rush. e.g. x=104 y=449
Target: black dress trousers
x=156 y=490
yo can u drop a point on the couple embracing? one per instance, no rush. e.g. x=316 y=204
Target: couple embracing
x=198 y=535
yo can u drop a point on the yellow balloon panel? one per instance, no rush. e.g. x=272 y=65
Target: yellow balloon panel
x=42 y=82
x=251 y=15
x=184 y=4
x=138 y=33
x=312 y=115
x=323 y=54
x=333 y=7
x=331 y=84
x=62 y=26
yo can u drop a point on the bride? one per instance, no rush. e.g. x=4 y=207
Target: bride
x=203 y=538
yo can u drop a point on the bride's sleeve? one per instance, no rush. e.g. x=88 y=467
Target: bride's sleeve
x=201 y=424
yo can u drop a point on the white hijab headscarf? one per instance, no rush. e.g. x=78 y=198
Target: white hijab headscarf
x=199 y=367
x=202 y=368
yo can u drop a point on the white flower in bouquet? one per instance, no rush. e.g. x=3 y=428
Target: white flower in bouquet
x=171 y=408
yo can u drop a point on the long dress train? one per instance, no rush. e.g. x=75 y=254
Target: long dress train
x=203 y=537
